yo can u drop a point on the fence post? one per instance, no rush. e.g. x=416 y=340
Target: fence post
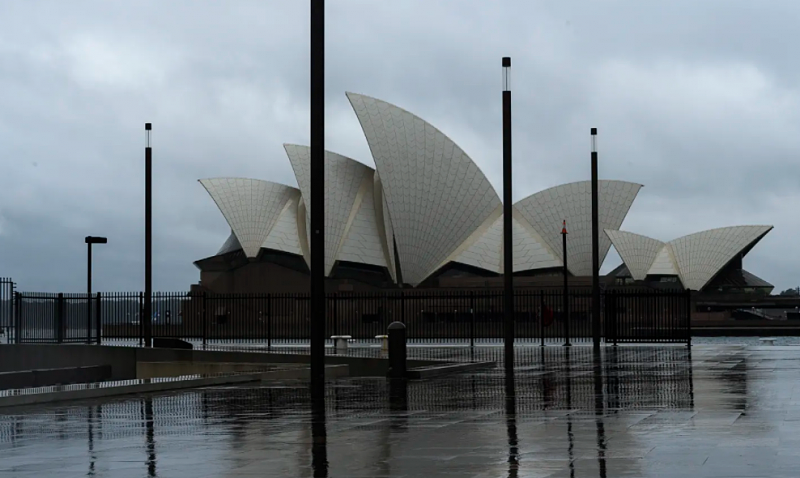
x=88 y=318
x=99 y=318
x=402 y=307
x=565 y=312
x=541 y=317
x=397 y=350
x=141 y=318
x=269 y=320
x=60 y=317
x=689 y=317
x=17 y=317
x=335 y=314
x=472 y=318
x=204 y=319
x=614 y=314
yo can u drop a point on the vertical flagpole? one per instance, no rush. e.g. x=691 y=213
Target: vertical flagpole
x=565 y=308
x=508 y=260
x=595 y=248
x=148 y=238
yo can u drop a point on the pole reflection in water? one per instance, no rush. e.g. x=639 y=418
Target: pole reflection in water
x=149 y=433
x=398 y=404
x=547 y=386
x=570 y=434
x=398 y=420
x=319 y=436
x=511 y=424
x=599 y=411
x=92 y=456
x=613 y=381
x=691 y=379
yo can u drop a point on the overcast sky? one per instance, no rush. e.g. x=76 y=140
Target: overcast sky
x=698 y=101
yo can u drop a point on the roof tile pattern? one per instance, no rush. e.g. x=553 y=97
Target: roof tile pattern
x=250 y=206
x=485 y=252
x=231 y=244
x=529 y=251
x=283 y=236
x=702 y=255
x=637 y=252
x=572 y=202
x=664 y=263
x=384 y=225
x=436 y=195
x=363 y=242
x=343 y=178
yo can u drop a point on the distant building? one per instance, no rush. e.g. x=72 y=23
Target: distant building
x=709 y=261
x=428 y=217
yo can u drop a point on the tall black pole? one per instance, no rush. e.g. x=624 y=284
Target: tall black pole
x=508 y=258
x=89 y=293
x=566 y=284
x=317 y=196
x=595 y=248
x=148 y=237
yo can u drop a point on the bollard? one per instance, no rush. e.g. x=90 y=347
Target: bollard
x=397 y=350
x=384 y=342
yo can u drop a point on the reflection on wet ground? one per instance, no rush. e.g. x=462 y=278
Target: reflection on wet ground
x=633 y=411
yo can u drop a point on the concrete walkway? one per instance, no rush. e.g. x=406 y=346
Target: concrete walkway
x=637 y=411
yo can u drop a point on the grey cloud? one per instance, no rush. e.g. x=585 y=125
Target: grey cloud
x=695 y=100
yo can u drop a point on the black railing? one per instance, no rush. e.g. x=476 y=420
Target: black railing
x=465 y=317
x=7 y=309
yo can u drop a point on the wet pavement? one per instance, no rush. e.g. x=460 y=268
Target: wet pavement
x=635 y=411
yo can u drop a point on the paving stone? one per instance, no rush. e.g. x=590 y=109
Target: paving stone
x=633 y=411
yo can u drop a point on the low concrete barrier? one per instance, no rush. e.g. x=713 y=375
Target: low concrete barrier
x=124 y=360
x=22 y=357
x=54 y=376
x=170 y=343
x=25 y=397
x=432 y=371
x=178 y=369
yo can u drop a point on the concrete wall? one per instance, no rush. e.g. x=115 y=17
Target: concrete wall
x=54 y=376
x=177 y=369
x=35 y=356
x=123 y=360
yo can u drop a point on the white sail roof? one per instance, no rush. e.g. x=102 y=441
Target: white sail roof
x=484 y=248
x=637 y=252
x=530 y=250
x=702 y=255
x=363 y=240
x=572 y=202
x=231 y=244
x=384 y=224
x=695 y=258
x=284 y=234
x=486 y=251
x=351 y=229
x=251 y=207
x=435 y=194
x=664 y=263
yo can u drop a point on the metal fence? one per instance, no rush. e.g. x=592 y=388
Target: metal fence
x=7 y=287
x=465 y=317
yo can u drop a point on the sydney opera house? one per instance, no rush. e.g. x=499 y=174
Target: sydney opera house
x=429 y=218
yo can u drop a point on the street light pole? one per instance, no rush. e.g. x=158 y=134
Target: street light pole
x=508 y=258
x=89 y=241
x=148 y=237
x=595 y=248
x=317 y=199
x=89 y=292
